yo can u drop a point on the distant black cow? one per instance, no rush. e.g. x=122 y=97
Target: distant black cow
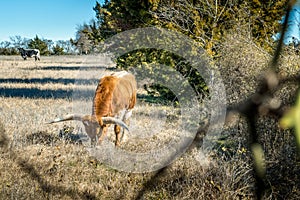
x=30 y=53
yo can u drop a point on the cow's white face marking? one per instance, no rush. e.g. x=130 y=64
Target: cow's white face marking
x=92 y=128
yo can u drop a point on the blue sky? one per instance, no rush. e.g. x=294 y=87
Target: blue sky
x=293 y=29
x=49 y=19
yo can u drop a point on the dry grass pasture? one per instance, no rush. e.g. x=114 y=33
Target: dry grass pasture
x=41 y=161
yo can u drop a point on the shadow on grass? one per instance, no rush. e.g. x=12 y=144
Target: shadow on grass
x=149 y=98
x=41 y=137
x=36 y=93
x=71 y=68
x=35 y=175
x=64 y=81
x=65 y=134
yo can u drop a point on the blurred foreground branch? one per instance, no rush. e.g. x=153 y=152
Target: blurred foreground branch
x=255 y=106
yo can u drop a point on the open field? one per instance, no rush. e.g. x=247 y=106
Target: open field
x=41 y=161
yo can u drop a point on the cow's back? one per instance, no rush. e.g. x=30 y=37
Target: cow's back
x=115 y=92
x=124 y=95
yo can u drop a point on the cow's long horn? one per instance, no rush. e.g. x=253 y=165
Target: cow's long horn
x=67 y=118
x=112 y=120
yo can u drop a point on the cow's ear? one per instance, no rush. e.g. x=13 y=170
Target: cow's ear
x=86 y=123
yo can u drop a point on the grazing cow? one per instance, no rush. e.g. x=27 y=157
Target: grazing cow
x=29 y=53
x=113 y=102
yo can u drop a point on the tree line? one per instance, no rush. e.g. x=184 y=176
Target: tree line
x=204 y=21
x=46 y=46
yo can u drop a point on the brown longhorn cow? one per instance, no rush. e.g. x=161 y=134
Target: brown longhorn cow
x=113 y=102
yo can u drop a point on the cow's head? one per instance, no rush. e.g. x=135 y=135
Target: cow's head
x=92 y=125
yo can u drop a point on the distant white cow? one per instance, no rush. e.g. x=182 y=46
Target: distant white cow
x=30 y=53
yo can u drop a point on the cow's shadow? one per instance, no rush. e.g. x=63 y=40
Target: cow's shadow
x=71 y=68
x=66 y=135
x=64 y=81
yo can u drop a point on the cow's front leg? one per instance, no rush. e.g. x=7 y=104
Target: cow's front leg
x=118 y=135
x=102 y=134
